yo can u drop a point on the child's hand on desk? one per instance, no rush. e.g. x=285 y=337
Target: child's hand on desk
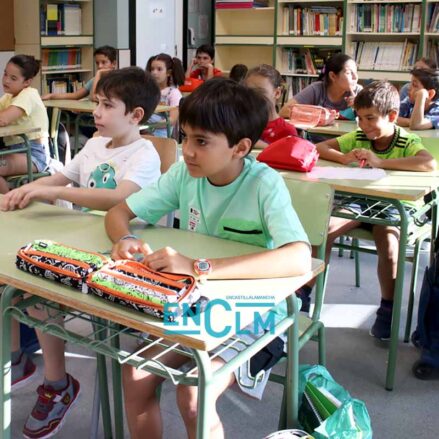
x=349 y=157
x=368 y=158
x=127 y=248
x=47 y=96
x=19 y=198
x=169 y=260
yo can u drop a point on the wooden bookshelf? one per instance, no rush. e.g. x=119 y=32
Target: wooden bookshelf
x=35 y=37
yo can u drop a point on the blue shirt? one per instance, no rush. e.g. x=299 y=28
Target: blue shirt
x=432 y=114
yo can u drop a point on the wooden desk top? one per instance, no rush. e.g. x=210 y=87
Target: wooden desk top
x=398 y=185
x=15 y=130
x=86 y=106
x=40 y=221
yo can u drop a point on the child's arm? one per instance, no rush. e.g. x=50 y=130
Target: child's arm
x=330 y=150
x=403 y=121
x=78 y=94
x=286 y=109
x=209 y=72
x=39 y=189
x=96 y=79
x=418 y=121
x=10 y=115
x=422 y=161
x=190 y=67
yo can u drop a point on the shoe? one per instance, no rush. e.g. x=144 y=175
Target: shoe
x=50 y=410
x=414 y=338
x=23 y=371
x=383 y=323
x=304 y=294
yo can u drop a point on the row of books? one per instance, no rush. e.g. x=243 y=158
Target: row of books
x=240 y=4
x=316 y=20
x=433 y=17
x=385 y=55
x=385 y=18
x=305 y=61
x=61 y=19
x=433 y=50
x=62 y=84
x=297 y=83
x=60 y=59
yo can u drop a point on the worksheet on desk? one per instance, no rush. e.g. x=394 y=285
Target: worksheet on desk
x=346 y=173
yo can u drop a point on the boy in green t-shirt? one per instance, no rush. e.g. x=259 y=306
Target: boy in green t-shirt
x=220 y=191
x=377 y=143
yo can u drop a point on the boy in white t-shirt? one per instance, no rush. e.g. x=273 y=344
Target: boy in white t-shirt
x=107 y=170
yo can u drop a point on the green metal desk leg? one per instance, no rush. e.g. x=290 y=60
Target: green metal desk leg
x=117 y=391
x=397 y=299
x=30 y=174
x=292 y=383
x=5 y=382
x=103 y=389
x=205 y=385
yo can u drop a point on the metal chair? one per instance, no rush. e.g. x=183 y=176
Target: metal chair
x=313 y=204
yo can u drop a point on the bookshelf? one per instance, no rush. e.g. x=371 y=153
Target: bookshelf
x=385 y=37
x=244 y=36
x=60 y=33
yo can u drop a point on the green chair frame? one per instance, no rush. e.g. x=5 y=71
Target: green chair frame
x=415 y=239
x=313 y=204
x=15 y=181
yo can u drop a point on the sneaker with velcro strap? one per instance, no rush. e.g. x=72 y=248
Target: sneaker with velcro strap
x=50 y=410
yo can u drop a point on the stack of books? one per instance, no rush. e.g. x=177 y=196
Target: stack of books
x=61 y=59
x=240 y=4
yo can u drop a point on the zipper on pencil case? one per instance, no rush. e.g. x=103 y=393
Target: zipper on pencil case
x=49 y=267
x=119 y=274
x=53 y=256
x=173 y=283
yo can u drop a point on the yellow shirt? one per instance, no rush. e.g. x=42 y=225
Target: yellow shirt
x=30 y=102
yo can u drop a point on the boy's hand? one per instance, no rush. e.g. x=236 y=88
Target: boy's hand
x=169 y=260
x=194 y=63
x=19 y=198
x=350 y=157
x=47 y=96
x=421 y=94
x=369 y=157
x=127 y=248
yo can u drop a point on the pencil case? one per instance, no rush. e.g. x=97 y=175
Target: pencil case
x=132 y=284
x=62 y=263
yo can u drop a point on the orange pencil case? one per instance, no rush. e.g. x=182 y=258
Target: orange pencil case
x=132 y=284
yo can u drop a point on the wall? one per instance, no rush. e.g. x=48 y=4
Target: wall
x=199 y=25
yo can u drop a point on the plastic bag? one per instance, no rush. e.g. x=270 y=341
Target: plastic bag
x=349 y=421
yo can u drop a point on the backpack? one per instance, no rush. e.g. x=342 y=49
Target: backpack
x=426 y=335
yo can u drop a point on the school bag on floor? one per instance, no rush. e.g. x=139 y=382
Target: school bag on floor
x=426 y=334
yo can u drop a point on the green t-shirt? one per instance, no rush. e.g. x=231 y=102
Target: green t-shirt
x=404 y=144
x=254 y=209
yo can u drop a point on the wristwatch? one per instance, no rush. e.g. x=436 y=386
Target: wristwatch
x=202 y=267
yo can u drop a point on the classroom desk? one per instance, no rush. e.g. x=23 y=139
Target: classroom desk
x=21 y=131
x=85 y=107
x=340 y=127
x=391 y=190
x=87 y=231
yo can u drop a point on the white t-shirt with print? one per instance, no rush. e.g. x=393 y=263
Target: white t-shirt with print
x=97 y=166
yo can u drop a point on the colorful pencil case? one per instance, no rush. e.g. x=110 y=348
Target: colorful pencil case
x=59 y=262
x=134 y=285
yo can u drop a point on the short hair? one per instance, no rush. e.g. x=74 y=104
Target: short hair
x=133 y=86
x=172 y=64
x=429 y=79
x=28 y=65
x=223 y=106
x=268 y=72
x=431 y=63
x=238 y=72
x=380 y=95
x=108 y=51
x=206 y=48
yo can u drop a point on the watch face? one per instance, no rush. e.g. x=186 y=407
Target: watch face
x=203 y=266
